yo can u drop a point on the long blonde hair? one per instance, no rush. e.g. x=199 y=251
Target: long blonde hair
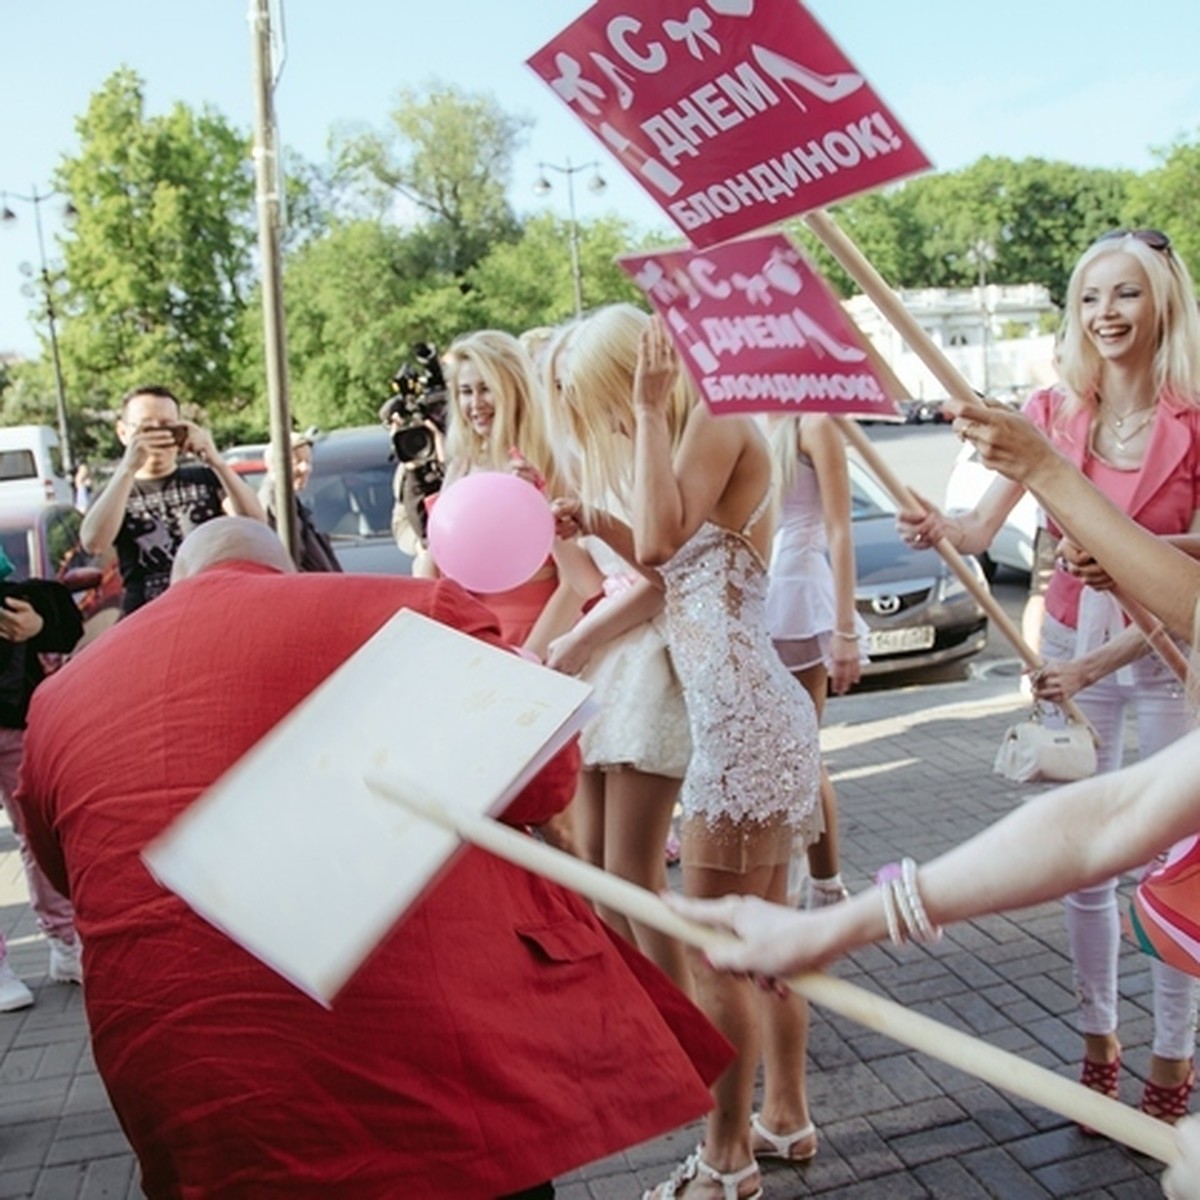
x=783 y=435
x=518 y=417
x=593 y=366
x=1173 y=295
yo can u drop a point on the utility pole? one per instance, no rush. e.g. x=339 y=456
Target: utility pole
x=7 y=215
x=268 y=176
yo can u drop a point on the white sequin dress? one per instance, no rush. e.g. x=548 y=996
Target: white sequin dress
x=751 y=786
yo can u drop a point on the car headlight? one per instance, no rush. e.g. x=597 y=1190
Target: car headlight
x=950 y=587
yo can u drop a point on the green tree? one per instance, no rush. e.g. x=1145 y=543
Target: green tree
x=1030 y=218
x=529 y=282
x=155 y=269
x=355 y=301
x=1166 y=198
x=447 y=157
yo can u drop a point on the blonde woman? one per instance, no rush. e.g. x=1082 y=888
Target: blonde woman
x=496 y=422
x=1128 y=416
x=699 y=510
x=810 y=597
x=636 y=750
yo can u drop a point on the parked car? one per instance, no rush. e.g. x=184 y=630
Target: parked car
x=350 y=494
x=919 y=613
x=1012 y=546
x=31 y=467
x=249 y=461
x=42 y=542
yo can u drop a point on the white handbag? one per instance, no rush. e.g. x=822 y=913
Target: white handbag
x=1031 y=753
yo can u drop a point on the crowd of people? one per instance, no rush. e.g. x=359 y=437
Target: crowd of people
x=701 y=579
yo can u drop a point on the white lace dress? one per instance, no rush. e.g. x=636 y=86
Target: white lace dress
x=751 y=787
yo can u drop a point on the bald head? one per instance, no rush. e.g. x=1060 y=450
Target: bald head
x=229 y=539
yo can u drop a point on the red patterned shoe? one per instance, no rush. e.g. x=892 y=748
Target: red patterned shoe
x=1168 y=1104
x=1103 y=1078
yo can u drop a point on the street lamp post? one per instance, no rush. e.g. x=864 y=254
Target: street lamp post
x=981 y=253
x=542 y=186
x=7 y=215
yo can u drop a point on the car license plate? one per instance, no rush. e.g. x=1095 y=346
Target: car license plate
x=899 y=641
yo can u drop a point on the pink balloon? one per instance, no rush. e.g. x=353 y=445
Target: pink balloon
x=490 y=531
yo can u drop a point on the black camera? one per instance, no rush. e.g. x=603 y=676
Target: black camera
x=418 y=400
x=418 y=396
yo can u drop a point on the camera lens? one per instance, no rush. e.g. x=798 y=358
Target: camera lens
x=413 y=444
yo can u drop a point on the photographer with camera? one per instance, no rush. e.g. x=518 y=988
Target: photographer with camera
x=415 y=416
x=152 y=503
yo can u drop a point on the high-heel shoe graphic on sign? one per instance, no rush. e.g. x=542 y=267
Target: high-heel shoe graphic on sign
x=792 y=77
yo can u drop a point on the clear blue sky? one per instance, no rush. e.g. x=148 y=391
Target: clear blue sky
x=1099 y=83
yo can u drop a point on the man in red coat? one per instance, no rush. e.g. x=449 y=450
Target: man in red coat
x=496 y=1038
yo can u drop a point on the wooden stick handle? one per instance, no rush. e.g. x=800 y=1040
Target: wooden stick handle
x=873 y=284
x=859 y=268
x=978 y=1058
x=904 y=497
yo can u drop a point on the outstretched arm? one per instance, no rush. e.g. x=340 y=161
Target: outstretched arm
x=1061 y=841
x=1145 y=567
x=613 y=616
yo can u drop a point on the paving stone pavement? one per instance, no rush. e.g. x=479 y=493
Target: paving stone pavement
x=912 y=768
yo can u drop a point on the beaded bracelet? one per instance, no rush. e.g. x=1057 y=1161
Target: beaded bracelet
x=902 y=906
x=885 y=878
x=922 y=928
x=850 y=637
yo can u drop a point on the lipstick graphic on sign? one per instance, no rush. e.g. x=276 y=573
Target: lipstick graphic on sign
x=697 y=347
x=649 y=168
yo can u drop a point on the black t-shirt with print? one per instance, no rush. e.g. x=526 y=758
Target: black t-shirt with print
x=159 y=514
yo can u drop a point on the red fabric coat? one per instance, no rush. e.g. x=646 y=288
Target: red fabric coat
x=498 y=1037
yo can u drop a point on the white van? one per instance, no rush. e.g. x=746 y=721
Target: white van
x=31 y=467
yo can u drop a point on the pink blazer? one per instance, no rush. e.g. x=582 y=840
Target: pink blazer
x=1167 y=493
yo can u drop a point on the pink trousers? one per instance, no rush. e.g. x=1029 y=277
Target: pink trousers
x=53 y=911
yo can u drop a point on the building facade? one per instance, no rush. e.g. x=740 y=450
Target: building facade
x=1000 y=338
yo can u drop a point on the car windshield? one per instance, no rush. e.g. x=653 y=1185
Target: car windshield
x=867 y=498
x=350 y=501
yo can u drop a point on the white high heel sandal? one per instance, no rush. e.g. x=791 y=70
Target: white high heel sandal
x=693 y=1167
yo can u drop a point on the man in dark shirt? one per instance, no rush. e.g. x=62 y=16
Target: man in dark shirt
x=36 y=617
x=152 y=503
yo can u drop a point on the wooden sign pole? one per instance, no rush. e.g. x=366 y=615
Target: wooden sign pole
x=859 y=268
x=989 y=1063
x=900 y=492
x=873 y=285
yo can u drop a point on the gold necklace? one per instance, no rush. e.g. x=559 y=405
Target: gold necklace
x=1116 y=426
x=1133 y=412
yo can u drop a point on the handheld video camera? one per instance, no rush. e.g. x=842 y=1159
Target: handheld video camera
x=418 y=400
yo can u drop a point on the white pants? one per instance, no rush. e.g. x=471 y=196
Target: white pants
x=1093 y=924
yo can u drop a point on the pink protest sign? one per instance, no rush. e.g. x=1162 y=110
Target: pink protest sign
x=732 y=114
x=759 y=330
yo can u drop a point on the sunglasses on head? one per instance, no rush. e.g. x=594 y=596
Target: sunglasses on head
x=1154 y=238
